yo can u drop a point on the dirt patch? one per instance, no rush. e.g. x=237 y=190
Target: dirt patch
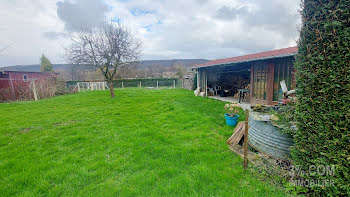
x=25 y=130
x=65 y=123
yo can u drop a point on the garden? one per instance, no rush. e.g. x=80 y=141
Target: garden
x=143 y=142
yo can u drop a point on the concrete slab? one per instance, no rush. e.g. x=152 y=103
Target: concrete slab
x=245 y=105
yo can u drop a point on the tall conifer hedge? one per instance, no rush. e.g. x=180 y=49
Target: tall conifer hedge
x=323 y=88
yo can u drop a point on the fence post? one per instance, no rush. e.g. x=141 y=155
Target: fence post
x=34 y=91
x=157 y=84
x=122 y=84
x=245 y=164
x=174 y=83
x=78 y=84
x=140 y=85
x=104 y=85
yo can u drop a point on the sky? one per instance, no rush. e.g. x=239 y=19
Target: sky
x=168 y=29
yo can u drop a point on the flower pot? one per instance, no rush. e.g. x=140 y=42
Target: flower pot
x=231 y=120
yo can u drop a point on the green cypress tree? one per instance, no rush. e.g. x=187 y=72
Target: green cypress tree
x=323 y=88
x=45 y=64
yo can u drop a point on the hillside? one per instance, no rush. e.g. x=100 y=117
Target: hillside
x=143 y=69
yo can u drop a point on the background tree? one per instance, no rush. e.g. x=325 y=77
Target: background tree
x=45 y=64
x=323 y=90
x=107 y=47
x=181 y=71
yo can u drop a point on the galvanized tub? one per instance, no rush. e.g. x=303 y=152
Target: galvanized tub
x=268 y=139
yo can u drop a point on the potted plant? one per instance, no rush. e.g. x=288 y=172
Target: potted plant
x=232 y=113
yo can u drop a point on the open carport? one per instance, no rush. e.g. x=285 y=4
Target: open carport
x=256 y=76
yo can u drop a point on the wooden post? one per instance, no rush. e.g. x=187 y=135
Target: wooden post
x=206 y=83
x=270 y=79
x=245 y=164
x=104 y=85
x=34 y=91
x=122 y=84
x=174 y=83
x=140 y=85
x=157 y=84
x=251 y=83
x=198 y=78
x=78 y=84
x=12 y=89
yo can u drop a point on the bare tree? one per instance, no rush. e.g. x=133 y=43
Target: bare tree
x=4 y=48
x=180 y=72
x=108 y=47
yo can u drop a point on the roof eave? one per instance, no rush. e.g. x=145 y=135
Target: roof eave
x=251 y=60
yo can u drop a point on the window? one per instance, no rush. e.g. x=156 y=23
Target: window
x=25 y=78
x=260 y=81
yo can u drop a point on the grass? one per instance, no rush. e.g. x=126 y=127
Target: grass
x=143 y=142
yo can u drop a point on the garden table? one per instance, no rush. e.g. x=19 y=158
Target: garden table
x=242 y=92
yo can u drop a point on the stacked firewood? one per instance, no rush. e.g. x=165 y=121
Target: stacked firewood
x=233 y=83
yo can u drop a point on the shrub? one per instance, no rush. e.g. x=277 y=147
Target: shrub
x=323 y=90
x=145 y=82
x=284 y=118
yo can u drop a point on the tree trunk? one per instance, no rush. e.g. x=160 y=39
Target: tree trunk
x=111 y=88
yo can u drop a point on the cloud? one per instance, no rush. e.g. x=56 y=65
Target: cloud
x=275 y=16
x=52 y=35
x=81 y=13
x=227 y=13
x=24 y=27
x=208 y=29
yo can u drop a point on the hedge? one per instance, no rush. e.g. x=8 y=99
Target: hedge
x=148 y=82
x=323 y=89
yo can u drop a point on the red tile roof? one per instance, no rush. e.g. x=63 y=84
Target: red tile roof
x=251 y=57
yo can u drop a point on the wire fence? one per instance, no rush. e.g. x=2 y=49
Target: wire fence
x=20 y=89
x=147 y=83
x=160 y=83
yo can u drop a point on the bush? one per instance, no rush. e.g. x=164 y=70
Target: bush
x=285 y=118
x=323 y=90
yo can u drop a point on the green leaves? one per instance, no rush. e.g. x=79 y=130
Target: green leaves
x=45 y=64
x=322 y=77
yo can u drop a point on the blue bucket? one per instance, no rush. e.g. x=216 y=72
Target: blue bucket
x=231 y=121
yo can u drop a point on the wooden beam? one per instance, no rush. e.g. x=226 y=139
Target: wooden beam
x=197 y=78
x=270 y=79
x=206 y=83
x=34 y=90
x=12 y=88
x=238 y=133
x=251 y=82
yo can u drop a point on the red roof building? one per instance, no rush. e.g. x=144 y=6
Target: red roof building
x=258 y=75
x=291 y=51
x=18 y=85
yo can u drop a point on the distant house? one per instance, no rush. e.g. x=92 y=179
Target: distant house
x=257 y=74
x=19 y=85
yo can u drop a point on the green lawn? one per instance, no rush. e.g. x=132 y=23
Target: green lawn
x=143 y=142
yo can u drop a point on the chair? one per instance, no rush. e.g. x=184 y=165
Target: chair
x=216 y=88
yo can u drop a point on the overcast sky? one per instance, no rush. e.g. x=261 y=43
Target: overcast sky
x=169 y=29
